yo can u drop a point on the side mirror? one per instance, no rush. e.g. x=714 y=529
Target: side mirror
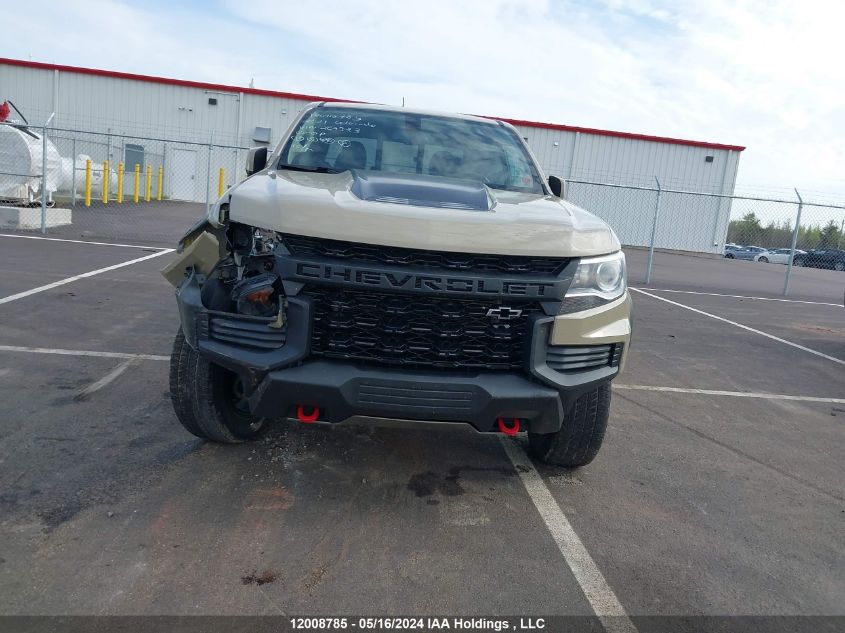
x=557 y=186
x=256 y=160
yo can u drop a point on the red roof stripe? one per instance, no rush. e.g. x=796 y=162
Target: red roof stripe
x=292 y=95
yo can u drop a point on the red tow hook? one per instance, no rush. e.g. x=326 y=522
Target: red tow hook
x=508 y=430
x=311 y=417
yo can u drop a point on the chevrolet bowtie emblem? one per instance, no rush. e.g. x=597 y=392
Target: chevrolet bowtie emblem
x=503 y=313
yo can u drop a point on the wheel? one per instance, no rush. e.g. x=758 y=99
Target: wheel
x=220 y=407
x=729 y=256
x=839 y=266
x=765 y=260
x=208 y=399
x=798 y=262
x=581 y=435
x=180 y=390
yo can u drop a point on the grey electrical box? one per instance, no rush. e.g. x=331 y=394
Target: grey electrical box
x=261 y=135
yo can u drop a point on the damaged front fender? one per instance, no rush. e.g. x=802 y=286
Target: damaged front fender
x=200 y=248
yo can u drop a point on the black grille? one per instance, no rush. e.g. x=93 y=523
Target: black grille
x=393 y=329
x=353 y=252
x=583 y=357
x=245 y=331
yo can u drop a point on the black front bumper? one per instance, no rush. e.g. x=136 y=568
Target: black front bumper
x=278 y=380
x=342 y=390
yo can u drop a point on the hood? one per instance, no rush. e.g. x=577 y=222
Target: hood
x=418 y=212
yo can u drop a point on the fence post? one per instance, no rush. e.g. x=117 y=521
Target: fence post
x=653 y=233
x=794 y=242
x=208 y=176
x=44 y=179
x=73 y=175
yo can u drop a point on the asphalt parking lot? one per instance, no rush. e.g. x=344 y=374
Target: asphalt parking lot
x=718 y=490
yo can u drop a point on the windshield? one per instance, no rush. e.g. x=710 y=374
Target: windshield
x=336 y=139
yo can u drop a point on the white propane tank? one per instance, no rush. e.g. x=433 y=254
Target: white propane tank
x=66 y=181
x=21 y=165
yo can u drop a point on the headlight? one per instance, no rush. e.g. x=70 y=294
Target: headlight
x=597 y=280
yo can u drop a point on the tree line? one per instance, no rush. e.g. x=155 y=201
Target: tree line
x=749 y=230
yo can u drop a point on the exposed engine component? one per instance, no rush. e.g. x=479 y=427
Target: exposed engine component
x=243 y=281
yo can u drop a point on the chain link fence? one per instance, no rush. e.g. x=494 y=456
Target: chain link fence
x=134 y=189
x=763 y=239
x=92 y=185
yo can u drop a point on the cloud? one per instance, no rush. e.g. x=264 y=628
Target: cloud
x=766 y=74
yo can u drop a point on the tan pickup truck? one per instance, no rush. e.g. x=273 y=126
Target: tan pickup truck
x=403 y=265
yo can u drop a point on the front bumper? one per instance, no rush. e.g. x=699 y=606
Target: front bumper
x=277 y=380
x=342 y=390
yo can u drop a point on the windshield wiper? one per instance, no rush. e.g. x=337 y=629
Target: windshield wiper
x=316 y=170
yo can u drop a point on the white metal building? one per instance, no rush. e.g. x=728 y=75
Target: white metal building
x=121 y=105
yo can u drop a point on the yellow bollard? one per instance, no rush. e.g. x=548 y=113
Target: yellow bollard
x=149 y=184
x=137 y=182
x=120 y=183
x=105 y=182
x=159 y=182
x=88 y=183
x=221 y=178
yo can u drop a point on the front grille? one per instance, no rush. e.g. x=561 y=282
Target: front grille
x=418 y=331
x=583 y=357
x=352 y=252
x=246 y=331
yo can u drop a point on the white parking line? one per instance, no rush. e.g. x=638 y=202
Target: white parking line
x=732 y=394
x=62 y=282
x=744 y=327
x=59 y=239
x=80 y=352
x=716 y=294
x=85 y=393
x=601 y=597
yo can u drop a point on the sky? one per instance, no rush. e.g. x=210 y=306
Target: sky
x=767 y=75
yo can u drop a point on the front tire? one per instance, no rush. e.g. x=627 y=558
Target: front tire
x=180 y=386
x=208 y=399
x=581 y=434
x=798 y=262
x=765 y=260
x=729 y=256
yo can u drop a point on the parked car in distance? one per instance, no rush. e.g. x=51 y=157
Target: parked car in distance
x=822 y=258
x=750 y=253
x=779 y=255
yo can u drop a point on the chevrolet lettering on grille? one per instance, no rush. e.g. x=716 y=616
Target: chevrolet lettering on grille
x=421 y=282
